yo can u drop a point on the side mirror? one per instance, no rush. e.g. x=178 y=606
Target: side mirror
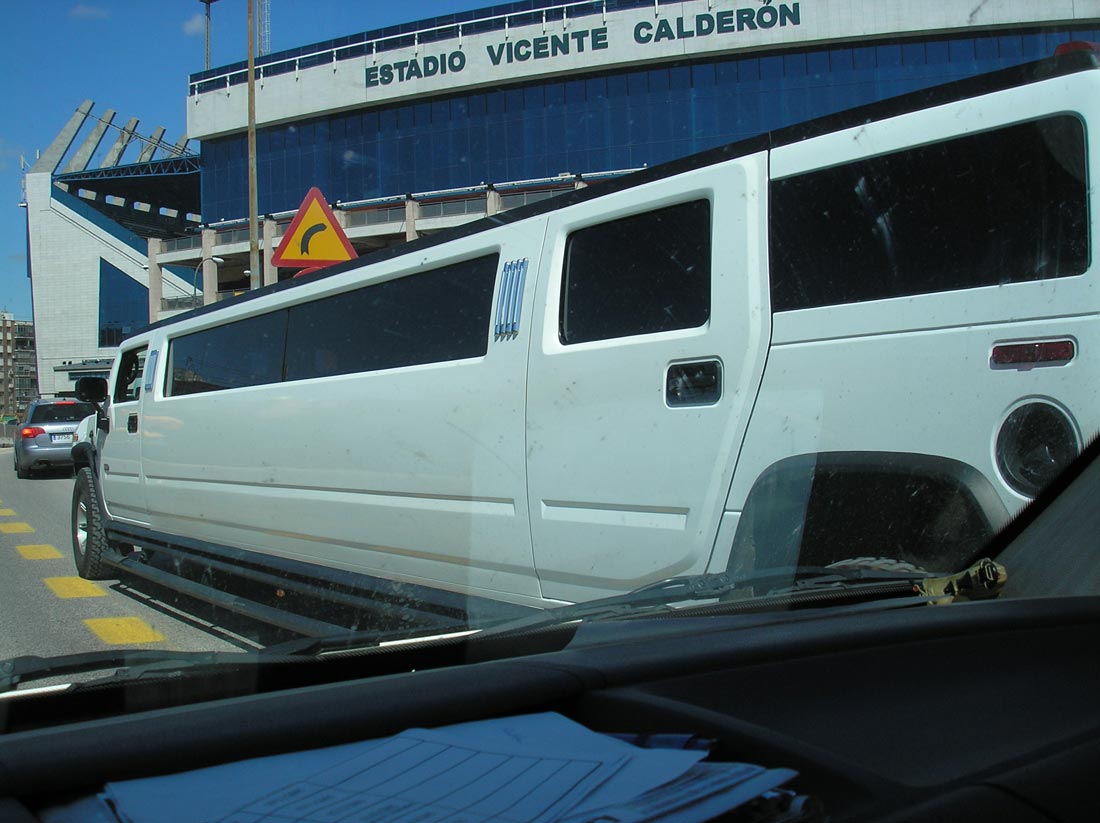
x=91 y=389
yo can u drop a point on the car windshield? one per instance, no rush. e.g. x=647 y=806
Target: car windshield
x=64 y=412
x=456 y=317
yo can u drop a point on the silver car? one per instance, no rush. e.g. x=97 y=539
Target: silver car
x=45 y=439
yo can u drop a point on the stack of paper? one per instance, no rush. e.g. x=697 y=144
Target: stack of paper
x=540 y=768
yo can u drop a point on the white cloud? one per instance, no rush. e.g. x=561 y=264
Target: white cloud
x=195 y=25
x=89 y=12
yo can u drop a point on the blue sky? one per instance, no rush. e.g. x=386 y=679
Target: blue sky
x=134 y=56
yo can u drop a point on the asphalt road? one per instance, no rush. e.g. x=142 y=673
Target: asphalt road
x=46 y=609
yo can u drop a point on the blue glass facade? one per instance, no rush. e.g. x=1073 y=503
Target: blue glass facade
x=610 y=120
x=123 y=305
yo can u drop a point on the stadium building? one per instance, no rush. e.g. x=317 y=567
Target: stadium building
x=414 y=128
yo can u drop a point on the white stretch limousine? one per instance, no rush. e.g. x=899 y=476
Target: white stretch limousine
x=861 y=336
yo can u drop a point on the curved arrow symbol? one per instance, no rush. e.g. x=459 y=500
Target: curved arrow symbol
x=308 y=234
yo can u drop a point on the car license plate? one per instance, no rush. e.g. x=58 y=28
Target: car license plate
x=61 y=438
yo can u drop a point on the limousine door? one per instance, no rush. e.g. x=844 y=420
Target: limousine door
x=642 y=373
x=123 y=483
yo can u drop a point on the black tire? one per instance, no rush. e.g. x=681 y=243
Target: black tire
x=20 y=472
x=89 y=538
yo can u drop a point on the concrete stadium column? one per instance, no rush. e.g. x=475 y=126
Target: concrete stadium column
x=156 y=279
x=51 y=158
x=83 y=155
x=492 y=202
x=412 y=212
x=209 y=268
x=271 y=272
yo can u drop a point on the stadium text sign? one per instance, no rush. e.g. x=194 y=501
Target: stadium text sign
x=552 y=46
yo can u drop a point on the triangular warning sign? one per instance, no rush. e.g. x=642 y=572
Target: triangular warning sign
x=314 y=238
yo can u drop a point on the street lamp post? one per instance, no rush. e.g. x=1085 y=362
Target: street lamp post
x=194 y=277
x=253 y=209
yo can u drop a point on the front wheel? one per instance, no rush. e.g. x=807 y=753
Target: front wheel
x=89 y=538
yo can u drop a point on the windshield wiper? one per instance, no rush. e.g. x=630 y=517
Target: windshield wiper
x=984 y=579
x=127 y=664
x=871 y=578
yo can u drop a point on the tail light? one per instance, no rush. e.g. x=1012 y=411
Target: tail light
x=31 y=432
x=1075 y=45
x=1050 y=352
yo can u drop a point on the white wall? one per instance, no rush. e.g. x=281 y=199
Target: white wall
x=65 y=253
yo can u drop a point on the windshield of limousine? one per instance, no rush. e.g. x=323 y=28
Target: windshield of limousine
x=479 y=318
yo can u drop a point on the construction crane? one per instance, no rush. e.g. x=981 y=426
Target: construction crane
x=206 y=63
x=263 y=31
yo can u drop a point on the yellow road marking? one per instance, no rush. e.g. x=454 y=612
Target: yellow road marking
x=123 y=630
x=16 y=528
x=7 y=512
x=38 y=551
x=69 y=587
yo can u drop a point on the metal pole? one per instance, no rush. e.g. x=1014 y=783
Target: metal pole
x=207 y=4
x=253 y=208
x=217 y=261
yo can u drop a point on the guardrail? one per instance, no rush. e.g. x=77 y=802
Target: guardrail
x=180 y=303
x=183 y=243
x=390 y=39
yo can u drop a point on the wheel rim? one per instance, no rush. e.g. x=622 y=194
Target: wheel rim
x=80 y=530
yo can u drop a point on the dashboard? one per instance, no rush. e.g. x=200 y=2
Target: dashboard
x=974 y=711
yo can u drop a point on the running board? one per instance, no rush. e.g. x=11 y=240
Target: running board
x=435 y=609
x=235 y=604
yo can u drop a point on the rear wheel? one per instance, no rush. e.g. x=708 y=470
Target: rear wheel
x=89 y=538
x=20 y=472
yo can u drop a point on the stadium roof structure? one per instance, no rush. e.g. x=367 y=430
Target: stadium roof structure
x=155 y=195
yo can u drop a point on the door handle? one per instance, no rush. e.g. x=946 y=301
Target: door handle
x=693 y=384
x=131 y=423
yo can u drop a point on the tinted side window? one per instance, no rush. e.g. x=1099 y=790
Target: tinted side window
x=128 y=382
x=243 y=353
x=637 y=275
x=432 y=317
x=1004 y=206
